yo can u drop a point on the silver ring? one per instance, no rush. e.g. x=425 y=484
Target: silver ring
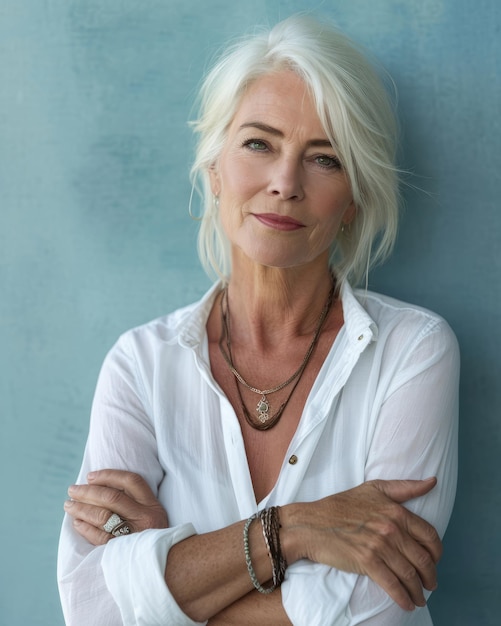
x=113 y=522
x=121 y=529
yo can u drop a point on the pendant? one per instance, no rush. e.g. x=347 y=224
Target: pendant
x=263 y=408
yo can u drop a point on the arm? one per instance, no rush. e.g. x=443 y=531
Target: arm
x=417 y=429
x=192 y=561
x=97 y=584
x=413 y=434
x=362 y=530
x=127 y=494
x=121 y=436
x=254 y=608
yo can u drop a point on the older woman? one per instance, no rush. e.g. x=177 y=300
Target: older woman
x=282 y=422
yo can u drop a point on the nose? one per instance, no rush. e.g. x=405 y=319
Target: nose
x=285 y=181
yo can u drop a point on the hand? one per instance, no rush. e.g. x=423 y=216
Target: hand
x=113 y=491
x=367 y=531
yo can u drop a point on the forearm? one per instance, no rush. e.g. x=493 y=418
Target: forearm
x=363 y=530
x=207 y=573
x=254 y=608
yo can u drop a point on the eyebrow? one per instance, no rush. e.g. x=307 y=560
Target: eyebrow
x=317 y=143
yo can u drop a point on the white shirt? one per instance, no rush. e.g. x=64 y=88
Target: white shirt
x=384 y=405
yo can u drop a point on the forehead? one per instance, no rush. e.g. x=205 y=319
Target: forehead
x=281 y=98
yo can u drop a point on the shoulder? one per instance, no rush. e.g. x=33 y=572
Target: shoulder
x=184 y=326
x=406 y=324
x=388 y=311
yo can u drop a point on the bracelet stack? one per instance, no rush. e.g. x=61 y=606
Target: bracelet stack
x=270 y=522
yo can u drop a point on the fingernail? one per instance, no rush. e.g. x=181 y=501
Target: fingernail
x=72 y=489
x=91 y=475
x=77 y=522
x=68 y=504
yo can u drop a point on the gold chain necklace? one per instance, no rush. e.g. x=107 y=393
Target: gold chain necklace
x=267 y=421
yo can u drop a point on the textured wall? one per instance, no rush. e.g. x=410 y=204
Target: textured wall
x=95 y=236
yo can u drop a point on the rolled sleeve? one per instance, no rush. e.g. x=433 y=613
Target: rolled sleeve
x=134 y=571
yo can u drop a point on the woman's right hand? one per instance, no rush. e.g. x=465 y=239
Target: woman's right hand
x=366 y=530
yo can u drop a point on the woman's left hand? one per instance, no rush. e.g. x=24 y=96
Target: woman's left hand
x=113 y=491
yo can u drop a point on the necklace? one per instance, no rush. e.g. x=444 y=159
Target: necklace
x=266 y=421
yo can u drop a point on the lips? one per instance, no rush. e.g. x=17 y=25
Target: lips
x=278 y=222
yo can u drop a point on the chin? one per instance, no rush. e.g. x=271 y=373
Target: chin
x=280 y=261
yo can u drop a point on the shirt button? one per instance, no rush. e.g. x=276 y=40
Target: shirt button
x=293 y=460
x=361 y=337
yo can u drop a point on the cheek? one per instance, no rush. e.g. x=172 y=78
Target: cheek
x=341 y=199
x=240 y=178
x=332 y=207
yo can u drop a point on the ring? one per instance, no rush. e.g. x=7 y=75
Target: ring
x=121 y=529
x=116 y=526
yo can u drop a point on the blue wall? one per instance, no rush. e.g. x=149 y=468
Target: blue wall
x=95 y=236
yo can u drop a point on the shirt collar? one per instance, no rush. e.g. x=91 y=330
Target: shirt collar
x=191 y=328
x=359 y=326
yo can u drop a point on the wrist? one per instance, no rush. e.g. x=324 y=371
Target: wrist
x=269 y=521
x=292 y=532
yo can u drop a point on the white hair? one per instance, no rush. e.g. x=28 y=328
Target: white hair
x=357 y=115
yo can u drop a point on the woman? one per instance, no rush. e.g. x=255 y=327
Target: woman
x=264 y=440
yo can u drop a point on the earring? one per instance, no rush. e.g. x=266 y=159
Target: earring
x=216 y=202
x=196 y=218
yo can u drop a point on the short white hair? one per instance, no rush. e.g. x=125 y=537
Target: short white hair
x=355 y=110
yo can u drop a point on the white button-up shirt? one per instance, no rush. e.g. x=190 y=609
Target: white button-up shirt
x=384 y=405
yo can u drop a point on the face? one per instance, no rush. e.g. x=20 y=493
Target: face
x=283 y=194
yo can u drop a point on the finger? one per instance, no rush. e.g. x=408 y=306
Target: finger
x=421 y=542
x=411 y=564
x=383 y=576
x=131 y=483
x=425 y=535
x=422 y=563
x=408 y=577
x=141 y=516
x=95 y=536
x=405 y=490
x=93 y=515
x=106 y=498
x=414 y=561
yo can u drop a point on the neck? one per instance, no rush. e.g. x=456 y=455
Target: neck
x=270 y=305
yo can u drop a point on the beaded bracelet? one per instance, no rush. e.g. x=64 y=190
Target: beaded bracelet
x=271 y=526
x=248 y=561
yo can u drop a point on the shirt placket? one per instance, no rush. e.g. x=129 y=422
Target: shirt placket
x=320 y=406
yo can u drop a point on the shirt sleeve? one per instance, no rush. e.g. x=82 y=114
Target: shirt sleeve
x=413 y=436
x=122 y=582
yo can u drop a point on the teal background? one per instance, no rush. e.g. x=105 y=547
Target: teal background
x=95 y=236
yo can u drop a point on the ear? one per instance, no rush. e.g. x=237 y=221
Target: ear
x=215 y=182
